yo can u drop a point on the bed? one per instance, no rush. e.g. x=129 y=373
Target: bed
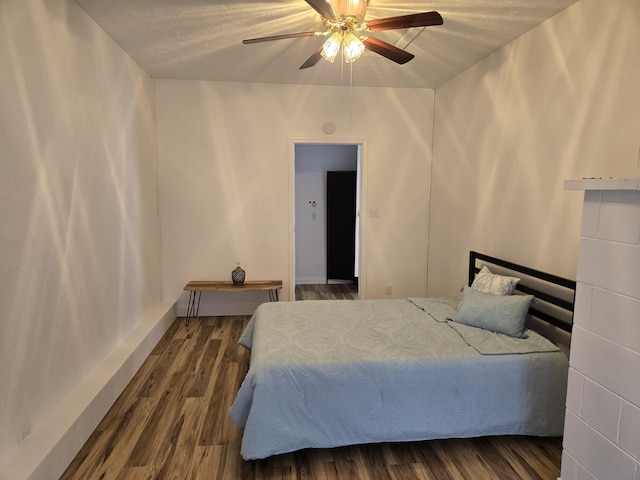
x=329 y=373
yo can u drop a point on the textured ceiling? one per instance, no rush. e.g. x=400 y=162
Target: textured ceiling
x=202 y=39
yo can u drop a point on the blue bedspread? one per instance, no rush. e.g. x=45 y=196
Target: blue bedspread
x=333 y=373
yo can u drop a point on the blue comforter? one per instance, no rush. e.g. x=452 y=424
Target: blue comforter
x=332 y=373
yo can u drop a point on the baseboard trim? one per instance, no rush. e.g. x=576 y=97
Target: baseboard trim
x=310 y=280
x=52 y=447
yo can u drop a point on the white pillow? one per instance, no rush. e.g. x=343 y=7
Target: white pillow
x=487 y=282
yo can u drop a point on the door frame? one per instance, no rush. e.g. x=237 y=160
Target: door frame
x=363 y=169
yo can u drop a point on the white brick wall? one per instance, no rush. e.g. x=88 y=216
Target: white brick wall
x=602 y=427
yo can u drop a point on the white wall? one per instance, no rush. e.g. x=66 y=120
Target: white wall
x=310 y=243
x=226 y=179
x=313 y=161
x=560 y=102
x=80 y=264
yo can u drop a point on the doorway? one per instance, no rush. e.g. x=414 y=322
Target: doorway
x=322 y=254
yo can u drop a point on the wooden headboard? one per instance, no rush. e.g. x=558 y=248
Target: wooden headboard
x=555 y=296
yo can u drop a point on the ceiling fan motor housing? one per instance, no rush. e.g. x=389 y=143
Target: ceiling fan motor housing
x=350 y=8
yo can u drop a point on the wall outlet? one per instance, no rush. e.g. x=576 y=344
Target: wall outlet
x=24 y=432
x=389 y=290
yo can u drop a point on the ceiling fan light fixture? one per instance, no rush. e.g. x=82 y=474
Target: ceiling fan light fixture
x=344 y=20
x=331 y=46
x=352 y=48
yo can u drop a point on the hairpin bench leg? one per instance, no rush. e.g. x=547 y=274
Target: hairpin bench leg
x=193 y=307
x=273 y=295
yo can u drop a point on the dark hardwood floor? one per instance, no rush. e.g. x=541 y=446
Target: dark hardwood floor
x=172 y=422
x=338 y=291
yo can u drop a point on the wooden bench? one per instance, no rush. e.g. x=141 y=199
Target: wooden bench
x=195 y=289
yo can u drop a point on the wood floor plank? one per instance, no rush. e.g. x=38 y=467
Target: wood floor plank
x=108 y=451
x=219 y=331
x=178 y=463
x=493 y=456
x=172 y=422
x=370 y=459
x=216 y=426
x=161 y=427
x=208 y=462
x=167 y=338
x=137 y=473
x=326 y=292
x=469 y=461
x=528 y=457
x=438 y=462
x=200 y=376
x=405 y=472
x=88 y=459
x=132 y=393
x=155 y=382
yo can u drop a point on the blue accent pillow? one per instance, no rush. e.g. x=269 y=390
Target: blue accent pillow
x=499 y=313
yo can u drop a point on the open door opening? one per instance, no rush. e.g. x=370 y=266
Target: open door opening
x=327 y=212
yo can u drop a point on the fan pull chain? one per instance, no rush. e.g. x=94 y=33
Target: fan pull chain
x=350 y=96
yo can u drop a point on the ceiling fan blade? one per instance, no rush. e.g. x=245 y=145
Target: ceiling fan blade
x=425 y=19
x=323 y=8
x=313 y=59
x=387 y=50
x=281 y=37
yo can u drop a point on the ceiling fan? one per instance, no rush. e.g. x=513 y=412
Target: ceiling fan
x=344 y=22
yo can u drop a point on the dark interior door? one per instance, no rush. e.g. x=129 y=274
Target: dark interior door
x=341 y=225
